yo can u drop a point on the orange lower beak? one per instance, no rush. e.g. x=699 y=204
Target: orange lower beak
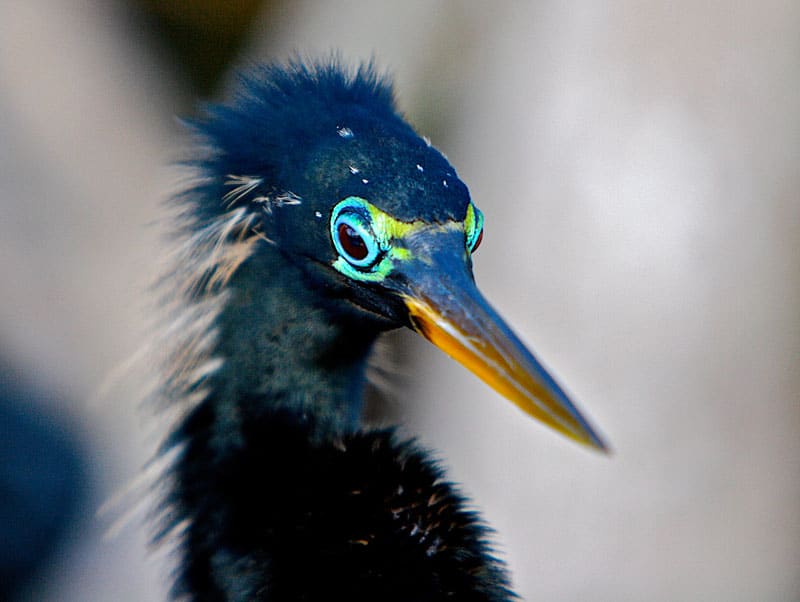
x=454 y=316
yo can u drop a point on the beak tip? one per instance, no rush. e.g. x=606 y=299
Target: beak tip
x=589 y=437
x=601 y=446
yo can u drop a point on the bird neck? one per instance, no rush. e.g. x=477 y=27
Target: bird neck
x=286 y=348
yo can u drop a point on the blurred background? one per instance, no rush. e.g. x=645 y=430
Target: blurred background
x=639 y=168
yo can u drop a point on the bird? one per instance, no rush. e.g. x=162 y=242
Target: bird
x=316 y=219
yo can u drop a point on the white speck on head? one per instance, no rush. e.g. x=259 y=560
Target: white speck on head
x=444 y=183
x=345 y=132
x=420 y=168
x=354 y=169
x=317 y=214
x=365 y=181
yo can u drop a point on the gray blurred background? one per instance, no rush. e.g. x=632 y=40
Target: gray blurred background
x=639 y=167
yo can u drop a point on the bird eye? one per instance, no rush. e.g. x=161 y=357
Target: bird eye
x=473 y=225
x=353 y=237
x=351 y=242
x=477 y=243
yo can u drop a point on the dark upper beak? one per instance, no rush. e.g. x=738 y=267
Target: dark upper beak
x=446 y=307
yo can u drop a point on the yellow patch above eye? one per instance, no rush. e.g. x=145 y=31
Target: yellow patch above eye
x=388 y=228
x=469 y=220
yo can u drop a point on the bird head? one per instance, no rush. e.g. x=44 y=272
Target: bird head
x=375 y=217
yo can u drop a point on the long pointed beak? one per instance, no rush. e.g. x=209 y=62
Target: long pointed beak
x=447 y=308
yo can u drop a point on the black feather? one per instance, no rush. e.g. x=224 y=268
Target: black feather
x=359 y=518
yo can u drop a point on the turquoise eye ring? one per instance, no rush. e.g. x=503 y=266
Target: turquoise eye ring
x=352 y=235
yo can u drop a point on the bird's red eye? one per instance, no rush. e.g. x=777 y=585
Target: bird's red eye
x=351 y=242
x=352 y=235
x=477 y=242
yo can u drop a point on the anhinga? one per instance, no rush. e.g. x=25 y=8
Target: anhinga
x=319 y=220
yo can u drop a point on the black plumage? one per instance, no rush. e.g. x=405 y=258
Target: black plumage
x=319 y=220
x=363 y=517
